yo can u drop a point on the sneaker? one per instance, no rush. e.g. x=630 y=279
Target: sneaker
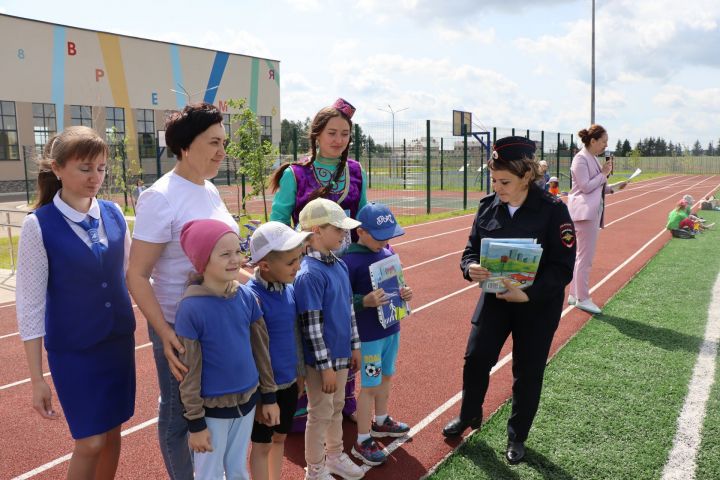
x=369 y=452
x=572 y=300
x=317 y=472
x=340 y=464
x=389 y=428
x=588 y=306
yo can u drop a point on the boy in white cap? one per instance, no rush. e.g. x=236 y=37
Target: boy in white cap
x=276 y=250
x=330 y=338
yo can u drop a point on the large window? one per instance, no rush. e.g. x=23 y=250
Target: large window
x=44 y=123
x=115 y=117
x=265 y=128
x=9 y=149
x=81 y=115
x=146 y=133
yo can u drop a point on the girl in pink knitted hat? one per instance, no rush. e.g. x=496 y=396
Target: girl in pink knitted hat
x=220 y=326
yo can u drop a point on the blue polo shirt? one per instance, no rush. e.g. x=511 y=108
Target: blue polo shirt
x=358 y=259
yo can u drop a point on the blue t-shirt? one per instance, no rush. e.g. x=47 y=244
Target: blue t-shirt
x=222 y=326
x=325 y=286
x=280 y=314
x=358 y=259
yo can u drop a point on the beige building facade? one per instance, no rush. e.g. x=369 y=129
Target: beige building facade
x=58 y=76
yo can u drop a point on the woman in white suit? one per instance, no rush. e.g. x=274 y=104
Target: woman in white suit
x=586 y=203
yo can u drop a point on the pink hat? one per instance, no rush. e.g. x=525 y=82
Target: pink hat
x=682 y=203
x=344 y=106
x=198 y=238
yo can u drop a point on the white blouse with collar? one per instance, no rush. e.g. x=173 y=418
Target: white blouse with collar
x=32 y=270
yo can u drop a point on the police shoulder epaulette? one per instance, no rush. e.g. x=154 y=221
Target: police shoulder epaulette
x=550 y=198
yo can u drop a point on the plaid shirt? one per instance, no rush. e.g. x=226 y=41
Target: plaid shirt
x=311 y=323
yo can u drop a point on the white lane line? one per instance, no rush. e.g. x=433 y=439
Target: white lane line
x=47 y=374
x=9 y=335
x=67 y=457
x=449 y=404
x=429 y=418
x=682 y=461
x=418 y=427
x=654 y=190
x=152 y=421
x=428 y=261
x=653 y=204
x=438 y=221
x=464 y=229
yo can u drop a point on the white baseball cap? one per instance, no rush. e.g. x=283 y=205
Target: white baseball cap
x=553 y=179
x=274 y=237
x=322 y=211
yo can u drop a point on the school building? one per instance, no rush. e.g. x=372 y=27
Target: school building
x=54 y=76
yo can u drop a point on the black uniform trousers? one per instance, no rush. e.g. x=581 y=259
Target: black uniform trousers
x=532 y=328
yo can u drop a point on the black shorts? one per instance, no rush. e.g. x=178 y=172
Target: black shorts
x=287 y=402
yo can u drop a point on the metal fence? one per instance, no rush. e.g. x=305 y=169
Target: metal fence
x=415 y=167
x=419 y=167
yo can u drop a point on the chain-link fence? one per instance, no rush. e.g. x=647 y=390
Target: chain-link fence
x=420 y=167
x=415 y=167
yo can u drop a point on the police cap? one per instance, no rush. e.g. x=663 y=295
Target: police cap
x=513 y=148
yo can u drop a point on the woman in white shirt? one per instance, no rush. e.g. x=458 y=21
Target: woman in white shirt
x=159 y=269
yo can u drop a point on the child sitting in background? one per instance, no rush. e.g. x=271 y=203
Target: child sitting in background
x=554 y=186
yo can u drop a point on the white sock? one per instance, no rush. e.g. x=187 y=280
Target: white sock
x=380 y=419
x=362 y=437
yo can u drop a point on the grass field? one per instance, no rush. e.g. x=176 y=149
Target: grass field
x=613 y=394
x=405 y=220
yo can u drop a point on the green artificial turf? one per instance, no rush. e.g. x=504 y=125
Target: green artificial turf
x=612 y=396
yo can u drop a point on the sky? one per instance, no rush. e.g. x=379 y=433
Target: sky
x=512 y=63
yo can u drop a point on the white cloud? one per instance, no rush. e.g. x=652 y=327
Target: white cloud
x=638 y=39
x=465 y=34
x=305 y=5
x=433 y=10
x=699 y=100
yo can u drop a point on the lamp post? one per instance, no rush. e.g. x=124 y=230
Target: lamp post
x=392 y=112
x=190 y=95
x=592 y=74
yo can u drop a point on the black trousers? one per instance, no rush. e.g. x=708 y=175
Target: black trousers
x=532 y=328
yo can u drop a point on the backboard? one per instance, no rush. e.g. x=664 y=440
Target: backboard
x=461 y=118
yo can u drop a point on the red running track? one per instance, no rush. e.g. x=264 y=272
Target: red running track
x=429 y=367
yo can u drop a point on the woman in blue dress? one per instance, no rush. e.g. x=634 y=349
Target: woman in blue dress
x=71 y=293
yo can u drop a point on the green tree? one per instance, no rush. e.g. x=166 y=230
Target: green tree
x=256 y=157
x=626 y=148
x=710 y=150
x=697 y=148
x=122 y=170
x=618 y=149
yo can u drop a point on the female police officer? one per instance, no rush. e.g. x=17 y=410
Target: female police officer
x=517 y=209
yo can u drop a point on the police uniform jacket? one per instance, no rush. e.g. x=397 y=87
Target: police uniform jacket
x=543 y=217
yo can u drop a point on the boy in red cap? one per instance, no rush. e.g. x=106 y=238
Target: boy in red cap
x=225 y=341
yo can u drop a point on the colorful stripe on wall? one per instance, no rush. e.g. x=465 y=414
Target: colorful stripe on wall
x=115 y=73
x=216 y=74
x=271 y=66
x=254 y=81
x=180 y=99
x=58 y=75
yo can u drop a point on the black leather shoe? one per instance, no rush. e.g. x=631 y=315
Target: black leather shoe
x=456 y=426
x=515 y=452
